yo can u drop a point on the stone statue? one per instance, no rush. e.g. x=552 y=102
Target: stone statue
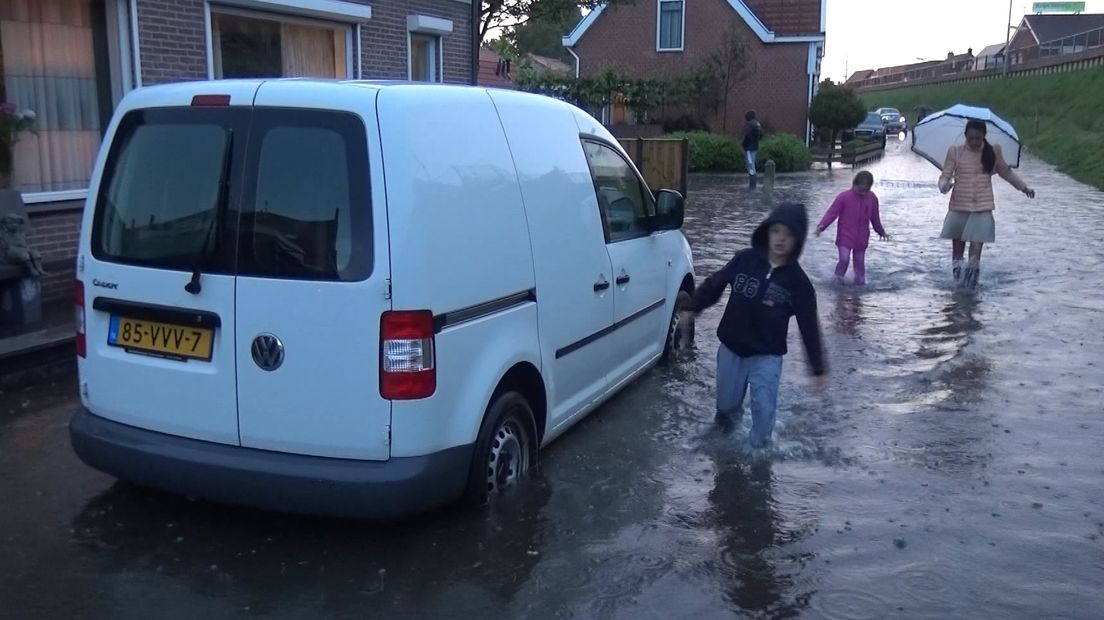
x=13 y=245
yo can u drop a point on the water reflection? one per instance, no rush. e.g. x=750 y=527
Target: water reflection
x=470 y=561
x=741 y=499
x=848 y=316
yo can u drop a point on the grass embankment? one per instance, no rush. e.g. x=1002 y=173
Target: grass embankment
x=1059 y=117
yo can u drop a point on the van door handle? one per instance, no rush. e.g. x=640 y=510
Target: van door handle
x=601 y=285
x=623 y=279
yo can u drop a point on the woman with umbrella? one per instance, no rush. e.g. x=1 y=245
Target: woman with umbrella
x=968 y=169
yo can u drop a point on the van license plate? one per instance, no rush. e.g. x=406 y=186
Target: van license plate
x=163 y=339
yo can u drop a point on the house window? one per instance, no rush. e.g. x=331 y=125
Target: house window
x=672 y=15
x=58 y=60
x=425 y=57
x=254 y=45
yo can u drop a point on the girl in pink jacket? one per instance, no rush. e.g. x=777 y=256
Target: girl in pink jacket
x=857 y=210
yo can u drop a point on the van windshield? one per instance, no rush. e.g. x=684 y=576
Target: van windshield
x=298 y=205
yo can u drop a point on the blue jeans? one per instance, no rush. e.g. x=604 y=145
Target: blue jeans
x=734 y=374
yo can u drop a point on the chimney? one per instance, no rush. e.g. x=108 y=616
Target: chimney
x=950 y=55
x=969 y=51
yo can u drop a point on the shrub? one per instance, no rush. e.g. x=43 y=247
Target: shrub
x=684 y=124
x=787 y=150
x=713 y=152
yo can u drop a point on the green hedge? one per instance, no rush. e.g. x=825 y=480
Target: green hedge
x=710 y=152
x=787 y=150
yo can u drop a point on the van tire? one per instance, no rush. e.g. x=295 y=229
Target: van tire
x=678 y=339
x=505 y=450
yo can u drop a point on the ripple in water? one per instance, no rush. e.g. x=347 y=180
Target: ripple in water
x=927 y=585
x=851 y=605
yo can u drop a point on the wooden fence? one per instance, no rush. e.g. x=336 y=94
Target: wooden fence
x=664 y=162
x=848 y=156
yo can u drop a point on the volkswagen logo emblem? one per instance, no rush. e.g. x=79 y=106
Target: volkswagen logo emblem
x=268 y=352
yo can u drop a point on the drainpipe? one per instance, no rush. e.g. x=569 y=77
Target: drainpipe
x=476 y=41
x=577 y=61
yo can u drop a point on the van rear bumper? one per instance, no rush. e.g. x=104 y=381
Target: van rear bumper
x=275 y=481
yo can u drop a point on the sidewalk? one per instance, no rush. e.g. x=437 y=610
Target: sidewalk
x=45 y=348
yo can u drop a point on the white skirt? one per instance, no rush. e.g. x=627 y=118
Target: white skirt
x=975 y=227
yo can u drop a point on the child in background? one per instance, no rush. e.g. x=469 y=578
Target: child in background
x=857 y=210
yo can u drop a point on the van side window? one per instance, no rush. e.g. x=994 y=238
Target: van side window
x=624 y=201
x=306 y=209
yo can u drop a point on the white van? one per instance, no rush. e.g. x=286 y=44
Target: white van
x=360 y=299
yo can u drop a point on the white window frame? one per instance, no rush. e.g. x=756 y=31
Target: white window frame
x=659 y=27
x=125 y=76
x=435 y=28
x=438 y=66
x=352 y=31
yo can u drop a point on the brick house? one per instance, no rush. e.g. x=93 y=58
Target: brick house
x=1045 y=36
x=665 y=38
x=953 y=64
x=71 y=61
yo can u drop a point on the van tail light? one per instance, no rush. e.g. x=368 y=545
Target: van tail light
x=407 y=363
x=82 y=341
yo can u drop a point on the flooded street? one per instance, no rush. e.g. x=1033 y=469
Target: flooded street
x=950 y=469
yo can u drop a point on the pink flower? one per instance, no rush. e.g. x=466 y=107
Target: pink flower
x=7 y=108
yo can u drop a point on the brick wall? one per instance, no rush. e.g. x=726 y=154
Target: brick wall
x=55 y=235
x=624 y=38
x=172 y=38
x=384 y=38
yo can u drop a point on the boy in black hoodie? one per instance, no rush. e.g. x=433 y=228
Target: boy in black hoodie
x=768 y=287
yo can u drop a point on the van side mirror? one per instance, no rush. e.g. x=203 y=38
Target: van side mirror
x=670 y=211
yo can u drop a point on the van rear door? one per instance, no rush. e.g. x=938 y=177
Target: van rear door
x=313 y=274
x=162 y=218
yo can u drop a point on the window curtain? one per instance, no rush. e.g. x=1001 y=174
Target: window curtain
x=670 y=25
x=48 y=68
x=312 y=52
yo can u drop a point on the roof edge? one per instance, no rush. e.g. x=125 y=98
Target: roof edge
x=750 y=18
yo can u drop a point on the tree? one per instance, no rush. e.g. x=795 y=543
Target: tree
x=543 y=35
x=515 y=13
x=729 y=66
x=835 y=107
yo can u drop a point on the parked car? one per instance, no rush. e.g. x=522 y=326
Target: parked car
x=871 y=128
x=360 y=299
x=893 y=120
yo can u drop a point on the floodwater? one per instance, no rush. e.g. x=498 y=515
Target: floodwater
x=949 y=469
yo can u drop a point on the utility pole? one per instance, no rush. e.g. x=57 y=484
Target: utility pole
x=1007 y=38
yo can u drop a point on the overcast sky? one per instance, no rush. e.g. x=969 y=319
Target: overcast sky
x=867 y=34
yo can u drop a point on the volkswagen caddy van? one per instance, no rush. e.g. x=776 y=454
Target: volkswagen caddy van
x=360 y=299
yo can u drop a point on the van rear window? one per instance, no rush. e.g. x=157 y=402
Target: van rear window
x=270 y=192
x=160 y=190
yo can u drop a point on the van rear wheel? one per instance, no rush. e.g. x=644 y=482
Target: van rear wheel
x=505 y=450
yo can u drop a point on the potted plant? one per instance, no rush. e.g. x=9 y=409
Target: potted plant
x=13 y=122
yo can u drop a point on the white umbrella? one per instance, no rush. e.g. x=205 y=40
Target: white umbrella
x=937 y=132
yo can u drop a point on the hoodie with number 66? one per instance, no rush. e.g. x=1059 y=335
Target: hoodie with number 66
x=763 y=298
